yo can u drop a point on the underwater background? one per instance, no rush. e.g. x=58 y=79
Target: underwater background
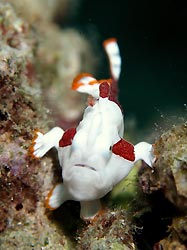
x=153 y=44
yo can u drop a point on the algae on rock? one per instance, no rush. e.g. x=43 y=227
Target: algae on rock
x=111 y=230
x=24 y=182
x=169 y=180
x=170 y=169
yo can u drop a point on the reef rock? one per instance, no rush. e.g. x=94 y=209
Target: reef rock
x=24 y=182
x=169 y=174
x=111 y=230
x=168 y=181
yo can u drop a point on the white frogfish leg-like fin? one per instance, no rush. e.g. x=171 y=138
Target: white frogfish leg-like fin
x=113 y=53
x=89 y=209
x=144 y=151
x=42 y=143
x=56 y=197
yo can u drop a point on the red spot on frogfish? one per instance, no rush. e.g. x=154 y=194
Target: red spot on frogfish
x=104 y=89
x=124 y=149
x=67 y=137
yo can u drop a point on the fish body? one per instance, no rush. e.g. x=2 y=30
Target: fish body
x=94 y=156
x=90 y=152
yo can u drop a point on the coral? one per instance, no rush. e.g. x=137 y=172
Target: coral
x=166 y=184
x=111 y=230
x=177 y=238
x=16 y=53
x=169 y=245
x=170 y=170
x=24 y=182
x=61 y=55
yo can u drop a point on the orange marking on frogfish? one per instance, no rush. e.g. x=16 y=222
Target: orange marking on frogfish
x=48 y=197
x=93 y=82
x=31 y=148
x=109 y=81
x=96 y=217
x=76 y=85
x=108 y=41
x=77 y=80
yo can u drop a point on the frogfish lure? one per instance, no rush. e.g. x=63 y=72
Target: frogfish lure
x=86 y=83
x=94 y=156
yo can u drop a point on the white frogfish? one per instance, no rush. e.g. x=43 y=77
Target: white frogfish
x=94 y=156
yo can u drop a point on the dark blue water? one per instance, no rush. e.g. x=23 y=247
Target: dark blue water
x=153 y=42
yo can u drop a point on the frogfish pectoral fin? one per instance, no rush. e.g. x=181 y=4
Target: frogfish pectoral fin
x=89 y=209
x=42 y=143
x=124 y=149
x=56 y=197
